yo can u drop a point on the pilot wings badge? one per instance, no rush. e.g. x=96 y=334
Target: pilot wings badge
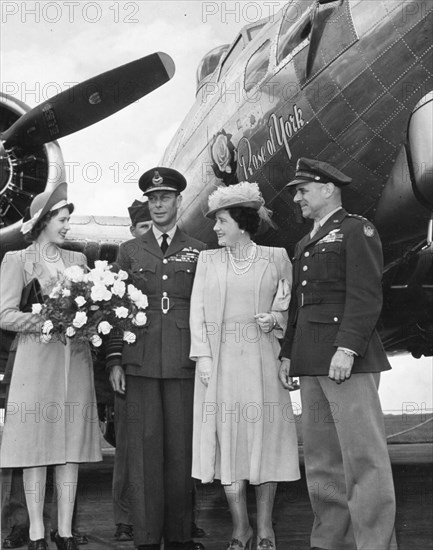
x=332 y=237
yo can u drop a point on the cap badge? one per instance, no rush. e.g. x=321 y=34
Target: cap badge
x=157 y=178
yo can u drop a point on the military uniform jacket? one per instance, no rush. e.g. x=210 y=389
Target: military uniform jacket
x=162 y=346
x=336 y=297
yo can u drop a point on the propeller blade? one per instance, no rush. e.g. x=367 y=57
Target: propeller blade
x=90 y=101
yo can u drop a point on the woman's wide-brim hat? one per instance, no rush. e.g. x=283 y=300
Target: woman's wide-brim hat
x=245 y=194
x=46 y=202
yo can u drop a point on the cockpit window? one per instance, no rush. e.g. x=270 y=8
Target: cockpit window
x=252 y=32
x=295 y=28
x=257 y=66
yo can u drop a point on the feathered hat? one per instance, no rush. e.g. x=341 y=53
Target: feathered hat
x=245 y=194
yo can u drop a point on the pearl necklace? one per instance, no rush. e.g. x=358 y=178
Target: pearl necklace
x=241 y=270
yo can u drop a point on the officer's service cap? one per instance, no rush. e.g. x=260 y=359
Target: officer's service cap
x=319 y=171
x=162 y=179
x=139 y=212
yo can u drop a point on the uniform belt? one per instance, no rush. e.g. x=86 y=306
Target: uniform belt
x=310 y=298
x=165 y=303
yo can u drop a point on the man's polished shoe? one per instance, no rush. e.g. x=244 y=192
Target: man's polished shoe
x=39 y=544
x=124 y=532
x=18 y=537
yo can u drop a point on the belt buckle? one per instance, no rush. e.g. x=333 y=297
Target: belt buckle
x=302 y=299
x=165 y=303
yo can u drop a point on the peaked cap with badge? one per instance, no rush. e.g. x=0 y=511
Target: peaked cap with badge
x=162 y=179
x=308 y=170
x=139 y=212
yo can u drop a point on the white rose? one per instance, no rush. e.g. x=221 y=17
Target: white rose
x=122 y=275
x=142 y=303
x=137 y=297
x=70 y=331
x=80 y=301
x=74 y=273
x=104 y=327
x=98 y=292
x=80 y=319
x=66 y=292
x=140 y=319
x=47 y=327
x=133 y=292
x=36 y=308
x=108 y=278
x=118 y=288
x=129 y=337
x=96 y=340
x=101 y=265
x=121 y=312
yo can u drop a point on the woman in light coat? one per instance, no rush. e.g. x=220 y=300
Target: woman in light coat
x=51 y=416
x=244 y=427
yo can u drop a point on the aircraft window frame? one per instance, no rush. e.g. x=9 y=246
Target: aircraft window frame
x=231 y=56
x=265 y=44
x=296 y=32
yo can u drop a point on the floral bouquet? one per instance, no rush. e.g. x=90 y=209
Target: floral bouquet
x=87 y=304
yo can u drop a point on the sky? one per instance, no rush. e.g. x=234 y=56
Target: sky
x=48 y=46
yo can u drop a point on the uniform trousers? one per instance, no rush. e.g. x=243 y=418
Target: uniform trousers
x=347 y=464
x=160 y=417
x=121 y=486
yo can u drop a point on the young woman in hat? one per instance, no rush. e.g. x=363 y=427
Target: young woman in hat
x=51 y=414
x=244 y=428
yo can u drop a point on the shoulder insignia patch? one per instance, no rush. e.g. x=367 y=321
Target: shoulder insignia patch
x=368 y=230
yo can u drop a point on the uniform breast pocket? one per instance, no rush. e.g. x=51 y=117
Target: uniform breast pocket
x=143 y=277
x=328 y=263
x=185 y=272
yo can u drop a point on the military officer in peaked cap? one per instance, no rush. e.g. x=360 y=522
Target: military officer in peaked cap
x=159 y=381
x=331 y=343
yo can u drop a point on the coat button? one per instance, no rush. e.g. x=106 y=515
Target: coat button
x=305 y=268
x=306 y=254
x=164 y=277
x=165 y=261
x=304 y=283
x=336 y=319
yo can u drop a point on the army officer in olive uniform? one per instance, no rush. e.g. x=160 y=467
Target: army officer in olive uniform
x=332 y=344
x=159 y=381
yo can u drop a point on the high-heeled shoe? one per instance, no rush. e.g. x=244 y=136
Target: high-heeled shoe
x=65 y=543
x=237 y=544
x=266 y=543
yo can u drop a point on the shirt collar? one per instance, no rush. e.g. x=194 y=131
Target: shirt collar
x=158 y=234
x=323 y=220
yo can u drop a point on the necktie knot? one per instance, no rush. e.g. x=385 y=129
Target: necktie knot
x=164 y=243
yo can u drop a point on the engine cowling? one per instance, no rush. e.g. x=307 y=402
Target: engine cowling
x=24 y=172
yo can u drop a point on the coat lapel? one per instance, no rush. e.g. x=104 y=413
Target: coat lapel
x=177 y=244
x=149 y=243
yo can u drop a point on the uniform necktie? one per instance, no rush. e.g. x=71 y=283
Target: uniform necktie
x=164 y=243
x=315 y=229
